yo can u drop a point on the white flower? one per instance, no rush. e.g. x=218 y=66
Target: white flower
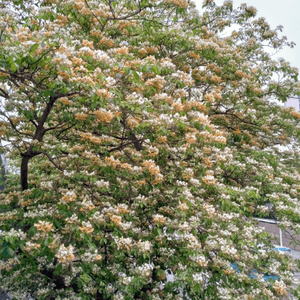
x=65 y=254
x=145 y=269
x=201 y=277
x=110 y=81
x=144 y=246
x=102 y=184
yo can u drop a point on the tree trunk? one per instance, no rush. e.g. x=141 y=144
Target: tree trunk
x=24 y=172
x=26 y=156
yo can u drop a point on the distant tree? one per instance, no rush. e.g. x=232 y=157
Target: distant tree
x=147 y=141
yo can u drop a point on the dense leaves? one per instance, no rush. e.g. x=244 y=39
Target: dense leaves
x=147 y=140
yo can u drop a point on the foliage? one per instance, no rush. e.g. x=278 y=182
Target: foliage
x=147 y=141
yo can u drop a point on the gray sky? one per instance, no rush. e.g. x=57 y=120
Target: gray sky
x=277 y=12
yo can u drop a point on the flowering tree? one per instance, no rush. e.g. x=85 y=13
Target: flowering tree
x=146 y=142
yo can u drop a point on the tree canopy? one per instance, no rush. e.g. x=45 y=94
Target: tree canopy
x=148 y=138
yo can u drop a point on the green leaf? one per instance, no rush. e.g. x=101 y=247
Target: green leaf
x=206 y=128
x=47 y=93
x=47 y=241
x=85 y=278
x=13 y=67
x=32 y=231
x=10 y=252
x=136 y=75
x=33 y=48
x=29 y=114
x=151 y=138
x=66 y=117
x=57 y=224
x=58 y=269
x=64 y=90
x=10 y=60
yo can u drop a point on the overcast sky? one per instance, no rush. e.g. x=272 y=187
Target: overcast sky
x=277 y=12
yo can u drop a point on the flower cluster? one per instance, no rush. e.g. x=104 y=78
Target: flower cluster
x=146 y=143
